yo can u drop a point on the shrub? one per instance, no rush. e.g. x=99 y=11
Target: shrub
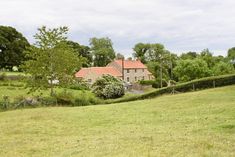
x=108 y=87
x=3 y=76
x=147 y=82
x=5 y=103
x=85 y=99
x=48 y=101
x=80 y=85
x=65 y=98
x=157 y=83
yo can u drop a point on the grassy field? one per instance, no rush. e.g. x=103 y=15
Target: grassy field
x=193 y=124
x=16 y=92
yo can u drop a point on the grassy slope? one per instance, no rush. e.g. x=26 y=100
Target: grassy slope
x=192 y=124
x=16 y=92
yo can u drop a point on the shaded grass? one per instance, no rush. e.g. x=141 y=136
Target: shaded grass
x=192 y=124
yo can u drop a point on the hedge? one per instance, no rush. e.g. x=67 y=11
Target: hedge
x=204 y=83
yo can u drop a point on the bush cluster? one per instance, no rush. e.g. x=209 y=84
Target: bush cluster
x=108 y=87
x=67 y=98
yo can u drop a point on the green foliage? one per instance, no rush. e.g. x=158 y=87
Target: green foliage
x=187 y=70
x=3 y=76
x=82 y=51
x=85 y=99
x=147 y=82
x=12 y=45
x=52 y=59
x=103 y=52
x=65 y=98
x=189 y=55
x=108 y=87
x=209 y=82
x=79 y=85
x=231 y=54
x=223 y=68
x=140 y=50
x=120 y=56
x=157 y=83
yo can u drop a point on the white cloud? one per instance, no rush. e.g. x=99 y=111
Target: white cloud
x=181 y=25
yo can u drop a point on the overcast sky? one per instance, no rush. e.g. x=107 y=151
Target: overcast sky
x=181 y=25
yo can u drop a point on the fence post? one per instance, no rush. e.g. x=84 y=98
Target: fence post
x=214 y=83
x=193 y=87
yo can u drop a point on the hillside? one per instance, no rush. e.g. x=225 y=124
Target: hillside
x=193 y=124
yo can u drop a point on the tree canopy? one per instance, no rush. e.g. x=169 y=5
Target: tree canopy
x=82 y=51
x=231 y=54
x=103 y=52
x=188 y=69
x=51 y=59
x=12 y=46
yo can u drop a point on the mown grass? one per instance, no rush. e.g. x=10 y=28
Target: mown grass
x=193 y=124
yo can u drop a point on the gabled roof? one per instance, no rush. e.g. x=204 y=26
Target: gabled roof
x=131 y=64
x=98 y=71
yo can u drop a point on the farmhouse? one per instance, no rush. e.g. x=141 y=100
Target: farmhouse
x=129 y=70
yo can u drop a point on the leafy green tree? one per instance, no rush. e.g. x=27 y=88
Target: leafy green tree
x=189 y=55
x=223 y=68
x=188 y=69
x=120 y=56
x=103 y=52
x=12 y=46
x=82 y=51
x=51 y=59
x=160 y=62
x=231 y=55
x=208 y=57
x=140 y=50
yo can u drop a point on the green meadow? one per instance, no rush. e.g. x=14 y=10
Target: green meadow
x=191 y=124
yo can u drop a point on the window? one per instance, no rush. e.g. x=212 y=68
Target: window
x=127 y=71
x=89 y=80
x=135 y=70
x=128 y=79
x=135 y=78
x=143 y=70
x=143 y=78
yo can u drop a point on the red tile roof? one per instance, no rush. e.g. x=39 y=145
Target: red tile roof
x=131 y=64
x=99 y=71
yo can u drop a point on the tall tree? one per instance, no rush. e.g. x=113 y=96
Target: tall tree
x=120 y=56
x=159 y=61
x=12 y=46
x=207 y=56
x=140 y=50
x=51 y=59
x=102 y=49
x=231 y=55
x=83 y=51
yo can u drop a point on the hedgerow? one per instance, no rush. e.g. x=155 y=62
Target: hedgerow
x=204 y=83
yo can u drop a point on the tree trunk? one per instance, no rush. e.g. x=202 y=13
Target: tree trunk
x=52 y=87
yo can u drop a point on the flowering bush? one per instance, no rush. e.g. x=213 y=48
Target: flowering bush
x=108 y=87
